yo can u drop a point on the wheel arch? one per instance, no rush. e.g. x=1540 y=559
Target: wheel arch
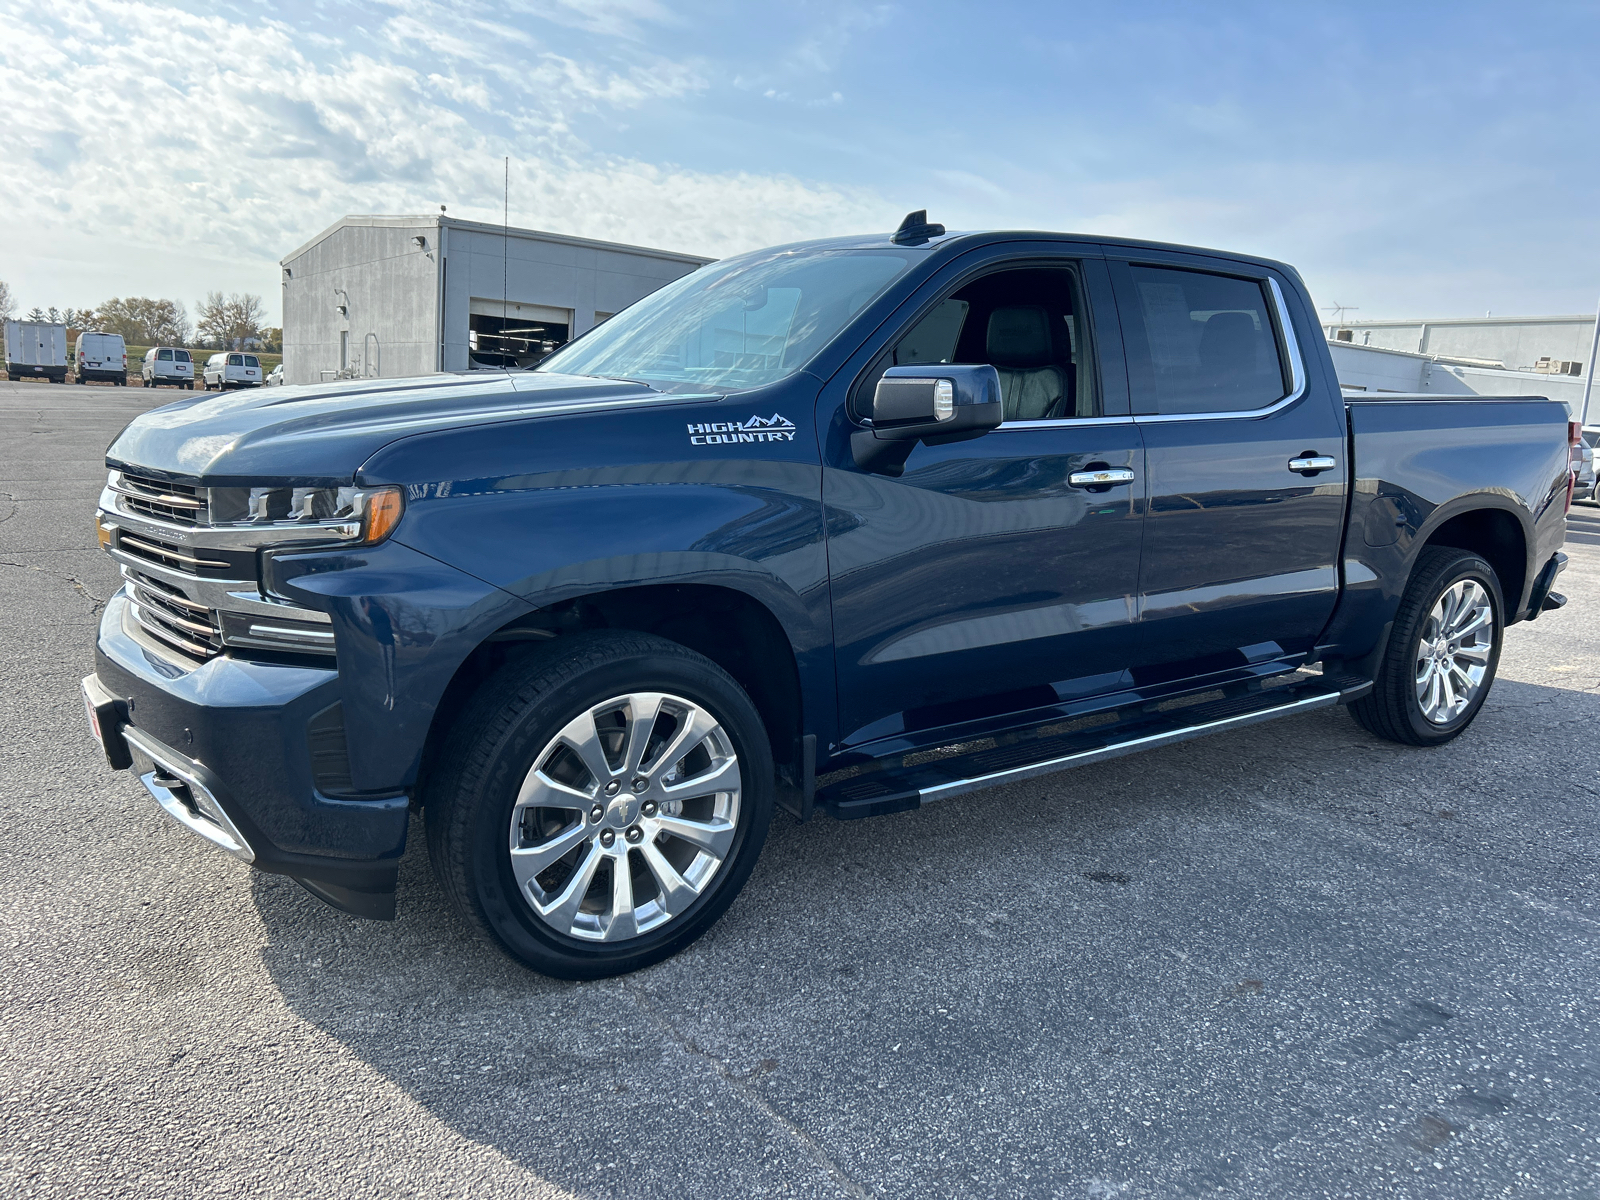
x=732 y=628
x=1496 y=532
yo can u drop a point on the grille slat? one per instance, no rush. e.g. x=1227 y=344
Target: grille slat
x=170 y=630
x=164 y=612
x=176 y=503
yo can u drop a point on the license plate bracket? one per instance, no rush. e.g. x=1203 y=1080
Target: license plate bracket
x=106 y=719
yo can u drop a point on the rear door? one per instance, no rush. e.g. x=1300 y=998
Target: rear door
x=985 y=580
x=1245 y=459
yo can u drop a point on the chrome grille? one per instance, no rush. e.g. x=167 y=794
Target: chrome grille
x=164 y=612
x=176 y=503
x=188 y=559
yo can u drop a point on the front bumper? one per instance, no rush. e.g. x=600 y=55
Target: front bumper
x=225 y=749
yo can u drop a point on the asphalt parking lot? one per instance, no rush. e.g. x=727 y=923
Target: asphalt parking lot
x=1290 y=961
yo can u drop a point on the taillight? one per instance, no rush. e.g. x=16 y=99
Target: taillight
x=1574 y=457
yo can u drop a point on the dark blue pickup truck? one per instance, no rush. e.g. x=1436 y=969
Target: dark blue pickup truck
x=850 y=525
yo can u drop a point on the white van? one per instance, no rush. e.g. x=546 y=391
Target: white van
x=231 y=370
x=101 y=356
x=167 y=364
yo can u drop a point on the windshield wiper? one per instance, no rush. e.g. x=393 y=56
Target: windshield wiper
x=627 y=379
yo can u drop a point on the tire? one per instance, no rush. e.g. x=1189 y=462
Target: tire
x=517 y=721
x=1421 y=703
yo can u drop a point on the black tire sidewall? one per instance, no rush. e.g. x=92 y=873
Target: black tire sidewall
x=492 y=886
x=1445 y=576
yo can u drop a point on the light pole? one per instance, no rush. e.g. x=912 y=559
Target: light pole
x=1588 y=372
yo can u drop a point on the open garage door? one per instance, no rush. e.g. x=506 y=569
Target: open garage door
x=501 y=334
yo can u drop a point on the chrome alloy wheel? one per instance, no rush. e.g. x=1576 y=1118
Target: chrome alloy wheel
x=626 y=816
x=1453 y=651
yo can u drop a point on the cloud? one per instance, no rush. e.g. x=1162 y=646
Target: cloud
x=160 y=128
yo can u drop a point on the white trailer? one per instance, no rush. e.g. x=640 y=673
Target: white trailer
x=36 y=350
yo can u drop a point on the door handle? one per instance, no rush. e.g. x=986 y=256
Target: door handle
x=1101 y=478
x=1310 y=464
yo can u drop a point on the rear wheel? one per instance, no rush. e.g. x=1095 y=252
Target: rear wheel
x=600 y=803
x=1442 y=654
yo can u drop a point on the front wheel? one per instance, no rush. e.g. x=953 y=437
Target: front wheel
x=1443 y=651
x=600 y=803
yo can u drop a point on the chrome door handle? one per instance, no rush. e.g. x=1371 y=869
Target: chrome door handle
x=1313 y=462
x=1100 y=478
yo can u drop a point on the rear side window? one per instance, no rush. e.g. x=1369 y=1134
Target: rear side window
x=181 y=356
x=1210 y=344
x=165 y=356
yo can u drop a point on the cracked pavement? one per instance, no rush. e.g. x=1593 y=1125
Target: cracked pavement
x=1288 y=961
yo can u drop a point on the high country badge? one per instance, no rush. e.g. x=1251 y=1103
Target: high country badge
x=756 y=429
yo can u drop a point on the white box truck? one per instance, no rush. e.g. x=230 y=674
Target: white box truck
x=101 y=356
x=36 y=350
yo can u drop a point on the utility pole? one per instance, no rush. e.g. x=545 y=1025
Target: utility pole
x=1588 y=368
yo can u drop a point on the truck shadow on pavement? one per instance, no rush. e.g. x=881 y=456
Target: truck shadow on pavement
x=1198 y=968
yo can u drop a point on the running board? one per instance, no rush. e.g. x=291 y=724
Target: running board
x=901 y=789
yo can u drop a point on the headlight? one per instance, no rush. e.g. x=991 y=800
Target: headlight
x=364 y=515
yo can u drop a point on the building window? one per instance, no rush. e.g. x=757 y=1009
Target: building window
x=344 y=350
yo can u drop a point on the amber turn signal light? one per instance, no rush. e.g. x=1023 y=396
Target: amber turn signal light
x=102 y=531
x=383 y=509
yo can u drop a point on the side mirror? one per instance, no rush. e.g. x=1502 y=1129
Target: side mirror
x=926 y=402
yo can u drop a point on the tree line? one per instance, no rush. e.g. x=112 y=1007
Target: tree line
x=221 y=322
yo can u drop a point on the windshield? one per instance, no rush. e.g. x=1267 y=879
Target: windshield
x=733 y=325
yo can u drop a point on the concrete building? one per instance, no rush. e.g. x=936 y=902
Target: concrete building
x=1517 y=343
x=372 y=297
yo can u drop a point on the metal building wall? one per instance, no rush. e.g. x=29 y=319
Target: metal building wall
x=391 y=287
x=1517 y=342
x=580 y=278
x=388 y=286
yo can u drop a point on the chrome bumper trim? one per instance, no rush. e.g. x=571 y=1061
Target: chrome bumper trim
x=200 y=813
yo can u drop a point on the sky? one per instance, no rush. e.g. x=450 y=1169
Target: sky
x=1409 y=159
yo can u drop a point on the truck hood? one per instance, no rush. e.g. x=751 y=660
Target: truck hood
x=321 y=434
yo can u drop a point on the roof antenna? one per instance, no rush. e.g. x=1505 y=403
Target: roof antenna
x=915 y=230
x=505 y=251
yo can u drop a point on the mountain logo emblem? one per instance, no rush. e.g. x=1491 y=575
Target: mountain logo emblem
x=776 y=428
x=773 y=422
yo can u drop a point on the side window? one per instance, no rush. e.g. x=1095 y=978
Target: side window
x=933 y=339
x=1029 y=323
x=1210 y=343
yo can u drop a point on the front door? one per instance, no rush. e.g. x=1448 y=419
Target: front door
x=986 y=579
x=1242 y=535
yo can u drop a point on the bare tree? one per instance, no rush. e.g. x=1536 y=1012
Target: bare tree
x=5 y=301
x=228 y=322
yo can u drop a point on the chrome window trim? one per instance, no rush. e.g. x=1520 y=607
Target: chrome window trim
x=1297 y=372
x=1061 y=423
